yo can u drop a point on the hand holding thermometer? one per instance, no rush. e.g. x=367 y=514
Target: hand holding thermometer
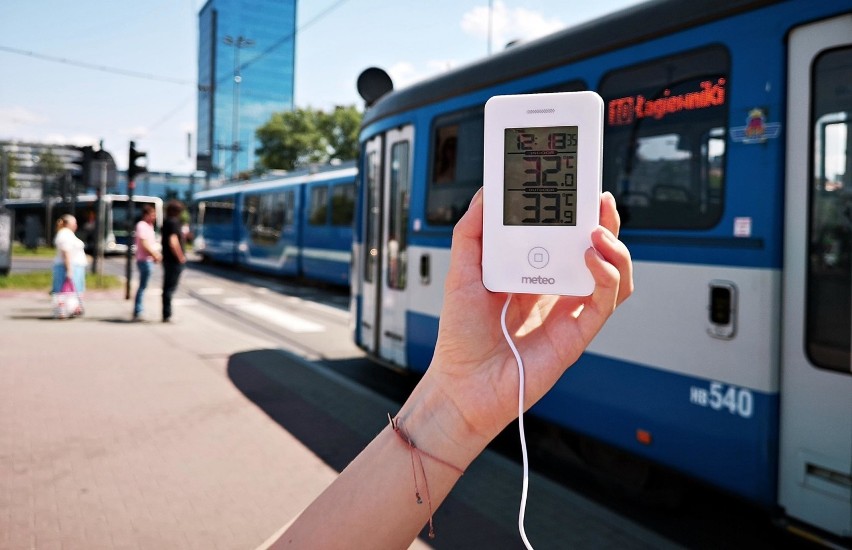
x=542 y=187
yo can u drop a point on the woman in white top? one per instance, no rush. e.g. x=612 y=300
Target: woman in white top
x=70 y=261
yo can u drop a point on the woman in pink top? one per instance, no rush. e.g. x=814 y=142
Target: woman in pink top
x=146 y=254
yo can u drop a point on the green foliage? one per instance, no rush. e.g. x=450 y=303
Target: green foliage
x=43 y=280
x=11 y=169
x=341 y=129
x=100 y=282
x=50 y=166
x=19 y=249
x=294 y=139
x=31 y=280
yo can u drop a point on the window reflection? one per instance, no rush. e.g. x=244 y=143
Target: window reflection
x=664 y=141
x=397 y=247
x=829 y=285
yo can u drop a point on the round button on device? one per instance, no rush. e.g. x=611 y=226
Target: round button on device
x=538 y=257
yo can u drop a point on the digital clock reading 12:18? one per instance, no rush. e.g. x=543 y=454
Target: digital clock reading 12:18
x=540 y=176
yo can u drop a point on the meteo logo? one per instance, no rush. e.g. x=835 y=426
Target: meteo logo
x=539 y=280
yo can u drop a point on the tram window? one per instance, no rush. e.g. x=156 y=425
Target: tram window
x=319 y=205
x=120 y=222
x=829 y=236
x=266 y=216
x=456 y=166
x=250 y=206
x=289 y=205
x=397 y=246
x=343 y=204
x=664 y=140
x=371 y=233
x=217 y=212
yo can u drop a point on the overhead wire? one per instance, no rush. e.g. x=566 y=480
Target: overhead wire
x=292 y=36
x=95 y=67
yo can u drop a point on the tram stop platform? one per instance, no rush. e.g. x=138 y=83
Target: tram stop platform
x=120 y=435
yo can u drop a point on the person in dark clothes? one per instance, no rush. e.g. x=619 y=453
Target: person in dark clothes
x=173 y=254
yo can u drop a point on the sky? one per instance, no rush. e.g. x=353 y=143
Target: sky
x=78 y=72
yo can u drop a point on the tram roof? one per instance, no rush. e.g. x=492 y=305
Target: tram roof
x=617 y=30
x=312 y=174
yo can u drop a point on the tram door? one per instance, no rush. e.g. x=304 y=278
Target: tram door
x=370 y=255
x=816 y=363
x=388 y=188
x=397 y=193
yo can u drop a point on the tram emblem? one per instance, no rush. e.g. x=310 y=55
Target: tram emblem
x=756 y=130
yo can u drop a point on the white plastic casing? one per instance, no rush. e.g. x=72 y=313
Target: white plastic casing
x=541 y=259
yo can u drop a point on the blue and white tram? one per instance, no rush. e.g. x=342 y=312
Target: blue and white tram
x=298 y=225
x=727 y=147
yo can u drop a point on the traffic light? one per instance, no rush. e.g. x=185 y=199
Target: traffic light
x=134 y=168
x=81 y=172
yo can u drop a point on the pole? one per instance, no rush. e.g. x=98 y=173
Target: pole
x=74 y=198
x=235 y=128
x=72 y=193
x=131 y=230
x=490 y=23
x=238 y=43
x=98 y=259
x=4 y=176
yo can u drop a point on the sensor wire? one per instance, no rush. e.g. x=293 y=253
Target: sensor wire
x=525 y=486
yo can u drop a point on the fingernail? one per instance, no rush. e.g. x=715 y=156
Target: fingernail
x=606 y=233
x=475 y=196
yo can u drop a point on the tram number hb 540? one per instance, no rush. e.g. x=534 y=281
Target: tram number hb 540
x=719 y=397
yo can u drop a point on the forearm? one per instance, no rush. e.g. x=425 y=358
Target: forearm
x=174 y=243
x=66 y=260
x=149 y=248
x=373 y=503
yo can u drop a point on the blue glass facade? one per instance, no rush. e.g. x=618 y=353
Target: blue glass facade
x=246 y=62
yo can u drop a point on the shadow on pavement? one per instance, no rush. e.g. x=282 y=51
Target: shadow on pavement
x=40 y=316
x=125 y=321
x=302 y=401
x=336 y=418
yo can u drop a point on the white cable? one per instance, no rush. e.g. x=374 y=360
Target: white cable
x=526 y=481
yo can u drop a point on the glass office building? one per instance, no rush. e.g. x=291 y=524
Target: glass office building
x=246 y=61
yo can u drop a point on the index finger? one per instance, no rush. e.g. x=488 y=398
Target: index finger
x=466 y=249
x=609 y=213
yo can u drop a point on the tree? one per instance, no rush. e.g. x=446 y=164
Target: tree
x=341 y=129
x=8 y=169
x=293 y=139
x=50 y=166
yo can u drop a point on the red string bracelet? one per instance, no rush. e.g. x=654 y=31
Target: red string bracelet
x=414 y=451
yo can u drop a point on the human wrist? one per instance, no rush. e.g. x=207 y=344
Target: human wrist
x=435 y=424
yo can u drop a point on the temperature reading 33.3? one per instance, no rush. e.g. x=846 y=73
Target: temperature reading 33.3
x=540 y=180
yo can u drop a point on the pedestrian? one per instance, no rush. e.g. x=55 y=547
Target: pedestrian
x=146 y=255
x=173 y=254
x=468 y=394
x=69 y=264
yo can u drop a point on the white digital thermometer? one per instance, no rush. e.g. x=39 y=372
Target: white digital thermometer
x=542 y=188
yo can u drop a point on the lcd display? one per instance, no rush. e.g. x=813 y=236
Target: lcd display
x=540 y=176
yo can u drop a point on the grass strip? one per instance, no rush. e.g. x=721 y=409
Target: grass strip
x=43 y=280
